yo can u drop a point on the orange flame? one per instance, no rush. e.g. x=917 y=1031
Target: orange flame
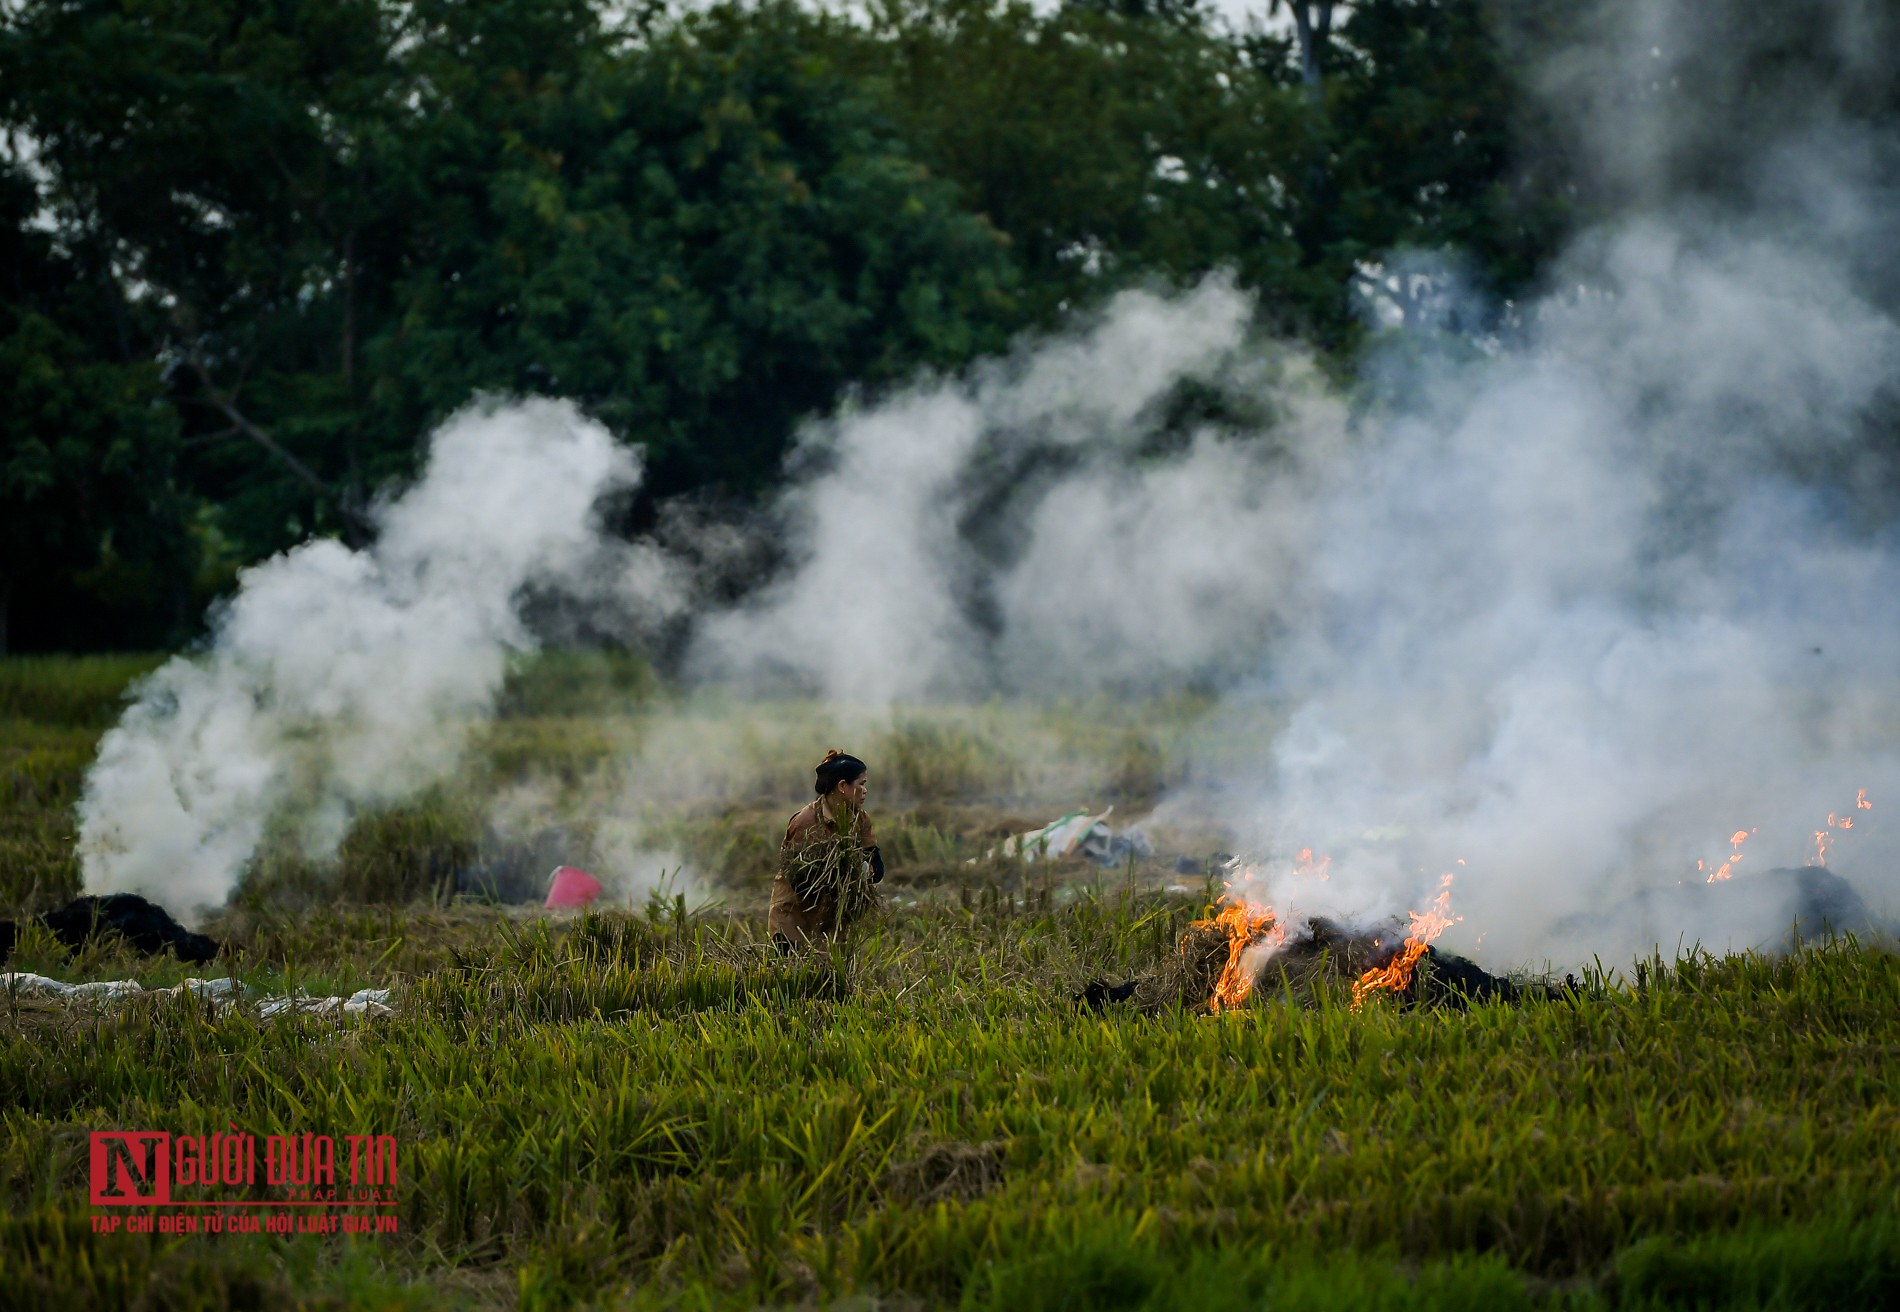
x=1303 y=864
x=1396 y=974
x=1825 y=838
x=1727 y=868
x=1244 y=927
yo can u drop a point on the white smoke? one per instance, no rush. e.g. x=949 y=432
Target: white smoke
x=340 y=679
x=886 y=598
x=1572 y=625
x=1583 y=611
x=1558 y=619
x=1559 y=616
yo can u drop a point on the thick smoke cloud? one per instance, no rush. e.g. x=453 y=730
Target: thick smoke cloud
x=1558 y=610
x=339 y=679
x=1558 y=618
x=1577 y=618
x=897 y=591
x=1586 y=609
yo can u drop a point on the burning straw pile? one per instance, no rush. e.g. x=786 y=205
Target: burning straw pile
x=1222 y=959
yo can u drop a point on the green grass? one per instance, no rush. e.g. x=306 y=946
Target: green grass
x=660 y=1109
x=86 y=692
x=651 y=1108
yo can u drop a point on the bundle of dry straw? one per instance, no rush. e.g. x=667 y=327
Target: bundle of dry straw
x=833 y=866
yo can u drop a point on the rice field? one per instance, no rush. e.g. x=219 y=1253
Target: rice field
x=648 y=1107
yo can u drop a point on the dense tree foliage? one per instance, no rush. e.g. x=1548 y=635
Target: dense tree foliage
x=87 y=445
x=255 y=249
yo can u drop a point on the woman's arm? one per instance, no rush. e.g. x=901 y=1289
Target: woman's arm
x=867 y=839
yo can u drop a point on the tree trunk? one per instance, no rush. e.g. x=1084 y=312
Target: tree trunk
x=349 y=316
x=1313 y=24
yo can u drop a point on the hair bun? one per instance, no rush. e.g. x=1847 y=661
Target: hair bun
x=831 y=755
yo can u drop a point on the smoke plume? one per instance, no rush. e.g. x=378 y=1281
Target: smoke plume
x=340 y=679
x=910 y=579
x=1559 y=618
x=1558 y=609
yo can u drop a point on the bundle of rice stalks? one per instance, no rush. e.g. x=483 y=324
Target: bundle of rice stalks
x=946 y=1170
x=1191 y=973
x=832 y=868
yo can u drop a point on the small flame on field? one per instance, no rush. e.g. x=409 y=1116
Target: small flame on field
x=1826 y=838
x=1303 y=864
x=1396 y=974
x=1727 y=868
x=1244 y=926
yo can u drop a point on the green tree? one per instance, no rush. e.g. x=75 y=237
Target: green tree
x=86 y=442
x=1428 y=134
x=319 y=226
x=218 y=161
x=351 y=216
x=704 y=239
x=1111 y=144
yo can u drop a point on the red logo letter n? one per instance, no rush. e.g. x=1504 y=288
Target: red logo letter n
x=131 y=1168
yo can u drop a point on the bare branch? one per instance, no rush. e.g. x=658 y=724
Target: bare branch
x=209 y=439
x=242 y=424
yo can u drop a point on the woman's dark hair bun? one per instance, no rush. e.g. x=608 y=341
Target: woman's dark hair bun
x=837 y=768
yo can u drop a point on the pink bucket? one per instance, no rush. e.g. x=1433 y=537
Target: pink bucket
x=571 y=888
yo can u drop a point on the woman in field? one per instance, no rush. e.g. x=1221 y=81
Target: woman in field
x=828 y=860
